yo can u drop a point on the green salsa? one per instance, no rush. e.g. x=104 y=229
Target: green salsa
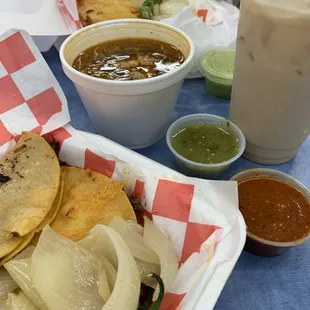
x=218 y=68
x=206 y=143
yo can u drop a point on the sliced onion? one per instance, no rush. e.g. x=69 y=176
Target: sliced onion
x=19 y=302
x=27 y=253
x=7 y=285
x=135 y=226
x=20 y=270
x=111 y=273
x=125 y=294
x=145 y=269
x=65 y=274
x=104 y=286
x=156 y=10
x=90 y=243
x=104 y=248
x=133 y=240
x=160 y=244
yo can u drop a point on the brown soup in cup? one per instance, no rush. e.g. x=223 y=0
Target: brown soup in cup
x=129 y=59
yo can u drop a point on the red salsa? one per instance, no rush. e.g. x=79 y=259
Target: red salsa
x=274 y=210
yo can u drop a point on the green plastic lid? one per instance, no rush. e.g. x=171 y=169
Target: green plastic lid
x=218 y=65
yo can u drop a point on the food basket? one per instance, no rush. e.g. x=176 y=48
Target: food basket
x=200 y=217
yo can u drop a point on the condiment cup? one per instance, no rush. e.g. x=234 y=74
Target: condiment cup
x=136 y=113
x=191 y=168
x=218 y=68
x=260 y=246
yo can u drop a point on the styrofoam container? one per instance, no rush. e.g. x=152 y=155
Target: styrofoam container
x=211 y=284
x=133 y=113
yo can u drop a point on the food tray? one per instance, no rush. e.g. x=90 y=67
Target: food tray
x=228 y=250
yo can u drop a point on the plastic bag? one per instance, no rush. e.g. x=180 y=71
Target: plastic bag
x=210 y=24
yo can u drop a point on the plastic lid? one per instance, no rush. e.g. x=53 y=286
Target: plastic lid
x=218 y=65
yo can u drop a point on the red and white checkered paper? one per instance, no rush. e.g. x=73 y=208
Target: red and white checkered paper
x=30 y=97
x=69 y=12
x=195 y=214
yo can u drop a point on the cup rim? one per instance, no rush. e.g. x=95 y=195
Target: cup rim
x=215 y=117
x=127 y=83
x=262 y=172
x=210 y=73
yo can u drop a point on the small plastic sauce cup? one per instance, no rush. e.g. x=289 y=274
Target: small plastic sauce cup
x=191 y=168
x=255 y=244
x=218 y=68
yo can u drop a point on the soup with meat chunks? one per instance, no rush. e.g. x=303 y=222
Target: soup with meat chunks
x=129 y=59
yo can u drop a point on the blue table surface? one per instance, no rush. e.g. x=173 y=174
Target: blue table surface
x=281 y=282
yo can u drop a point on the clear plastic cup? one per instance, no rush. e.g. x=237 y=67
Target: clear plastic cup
x=191 y=168
x=270 y=93
x=137 y=113
x=218 y=68
x=260 y=246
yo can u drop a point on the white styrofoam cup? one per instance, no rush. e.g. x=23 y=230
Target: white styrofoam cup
x=133 y=113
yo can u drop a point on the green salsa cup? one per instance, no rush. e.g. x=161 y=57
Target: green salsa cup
x=218 y=68
x=195 y=169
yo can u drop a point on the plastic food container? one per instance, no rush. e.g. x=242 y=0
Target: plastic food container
x=218 y=68
x=137 y=113
x=271 y=90
x=195 y=169
x=260 y=246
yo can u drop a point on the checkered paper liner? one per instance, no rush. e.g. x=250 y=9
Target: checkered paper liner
x=69 y=13
x=195 y=214
x=30 y=97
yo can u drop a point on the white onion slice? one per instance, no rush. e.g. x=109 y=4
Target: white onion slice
x=104 y=248
x=133 y=240
x=125 y=294
x=7 y=285
x=65 y=274
x=90 y=243
x=160 y=244
x=27 y=253
x=104 y=286
x=19 y=302
x=135 y=226
x=145 y=269
x=20 y=270
x=156 y=10
x=111 y=273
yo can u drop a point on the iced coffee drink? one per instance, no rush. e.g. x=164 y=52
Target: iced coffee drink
x=271 y=87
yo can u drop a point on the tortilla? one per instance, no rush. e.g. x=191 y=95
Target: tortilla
x=8 y=242
x=94 y=11
x=25 y=241
x=89 y=198
x=52 y=213
x=50 y=216
x=29 y=181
